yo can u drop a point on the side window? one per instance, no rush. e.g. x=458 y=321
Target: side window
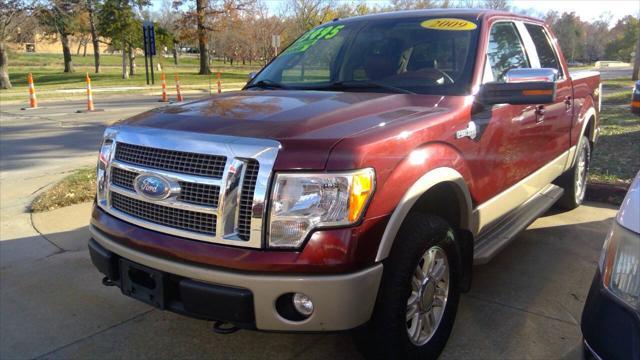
x=547 y=56
x=506 y=51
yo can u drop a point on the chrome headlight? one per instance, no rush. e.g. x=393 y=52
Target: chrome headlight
x=303 y=202
x=620 y=265
x=104 y=157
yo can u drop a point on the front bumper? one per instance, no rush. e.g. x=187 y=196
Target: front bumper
x=611 y=329
x=341 y=302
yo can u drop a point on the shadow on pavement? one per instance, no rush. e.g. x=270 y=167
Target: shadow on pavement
x=20 y=151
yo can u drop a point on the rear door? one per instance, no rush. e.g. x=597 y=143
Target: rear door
x=556 y=119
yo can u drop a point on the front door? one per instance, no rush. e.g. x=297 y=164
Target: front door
x=509 y=134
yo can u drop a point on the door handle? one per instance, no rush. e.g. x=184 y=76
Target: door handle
x=540 y=110
x=567 y=102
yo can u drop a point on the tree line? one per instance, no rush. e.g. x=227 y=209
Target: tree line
x=240 y=31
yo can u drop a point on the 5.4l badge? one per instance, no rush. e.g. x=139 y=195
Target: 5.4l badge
x=154 y=187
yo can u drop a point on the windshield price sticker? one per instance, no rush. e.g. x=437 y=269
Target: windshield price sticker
x=310 y=38
x=450 y=24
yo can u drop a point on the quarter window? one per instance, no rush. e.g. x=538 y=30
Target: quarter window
x=547 y=56
x=506 y=51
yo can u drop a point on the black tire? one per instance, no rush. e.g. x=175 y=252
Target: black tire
x=386 y=335
x=573 y=195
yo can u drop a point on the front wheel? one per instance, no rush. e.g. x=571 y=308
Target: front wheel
x=574 y=182
x=418 y=297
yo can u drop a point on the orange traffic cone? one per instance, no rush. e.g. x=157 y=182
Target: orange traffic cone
x=33 y=102
x=90 y=107
x=180 y=98
x=164 y=89
x=219 y=85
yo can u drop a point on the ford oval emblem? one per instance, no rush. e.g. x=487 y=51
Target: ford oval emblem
x=152 y=187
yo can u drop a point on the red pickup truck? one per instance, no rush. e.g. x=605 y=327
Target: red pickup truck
x=355 y=180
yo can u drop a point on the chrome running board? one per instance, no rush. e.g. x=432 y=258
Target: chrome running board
x=498 y=235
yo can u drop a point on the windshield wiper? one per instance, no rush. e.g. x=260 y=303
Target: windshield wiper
x=266 y=84
x=366 y=84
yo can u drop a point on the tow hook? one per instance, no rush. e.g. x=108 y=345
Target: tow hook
x=224 y=328
x=107 y=282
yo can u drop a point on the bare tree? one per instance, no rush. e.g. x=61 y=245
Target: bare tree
x=201 y=9
x=168 y=20
x=307 y=14
x=205 y=14
x=60 y=16
x=595 y=39
x=9 y=12
x=496 y=4
x=483 y=4
x=414 y=4
x=90 y=5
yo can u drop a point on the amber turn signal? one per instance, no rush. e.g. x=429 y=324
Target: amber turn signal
x=536 y=92
x=361 y=189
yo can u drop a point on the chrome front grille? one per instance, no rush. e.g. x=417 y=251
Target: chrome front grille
x=177 y=218
x=219 y=183
x=123 y=178
x=178 y=161
x=246 y=199
x=200 y=194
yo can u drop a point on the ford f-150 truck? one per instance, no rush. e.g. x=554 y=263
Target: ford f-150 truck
x=355 y=180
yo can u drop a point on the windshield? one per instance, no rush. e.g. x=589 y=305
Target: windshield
x=419 y=55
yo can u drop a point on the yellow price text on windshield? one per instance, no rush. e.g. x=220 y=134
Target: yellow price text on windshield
x=450 y=24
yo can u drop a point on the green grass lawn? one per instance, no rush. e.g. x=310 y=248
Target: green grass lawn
x=617 y=91
x=48 y=75
x=615 y=157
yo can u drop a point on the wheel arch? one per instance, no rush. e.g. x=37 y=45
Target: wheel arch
x=588 y=128
x=439 y=183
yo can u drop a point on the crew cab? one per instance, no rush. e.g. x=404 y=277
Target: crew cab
x=355 y=180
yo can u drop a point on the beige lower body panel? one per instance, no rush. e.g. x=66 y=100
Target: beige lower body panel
x=525 y=189
x=341 y=302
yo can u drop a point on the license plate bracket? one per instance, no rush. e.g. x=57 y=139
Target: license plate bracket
x=142 y=283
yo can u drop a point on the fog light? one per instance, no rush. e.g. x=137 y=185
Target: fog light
x=303 y=304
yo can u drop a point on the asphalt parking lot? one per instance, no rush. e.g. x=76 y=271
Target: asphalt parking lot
x=526 y=303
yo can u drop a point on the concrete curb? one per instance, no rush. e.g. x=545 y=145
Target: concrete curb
x=606 y=193
x=66 y=228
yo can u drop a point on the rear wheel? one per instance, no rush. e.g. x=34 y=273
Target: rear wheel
x=418 y=298
x=574 y=182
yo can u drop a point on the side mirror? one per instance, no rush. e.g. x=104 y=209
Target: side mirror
x=531 y=75
x=521 y=87
x=252 y=75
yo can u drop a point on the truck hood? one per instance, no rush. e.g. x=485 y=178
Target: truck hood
x=307 y=123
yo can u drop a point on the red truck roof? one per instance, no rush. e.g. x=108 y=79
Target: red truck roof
x=474 y=13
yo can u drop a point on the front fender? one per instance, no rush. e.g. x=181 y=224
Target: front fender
x=411 y=196
x=422 y=169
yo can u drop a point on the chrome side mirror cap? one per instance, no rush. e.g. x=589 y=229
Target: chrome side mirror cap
x=524 y=75
x=252 y=75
